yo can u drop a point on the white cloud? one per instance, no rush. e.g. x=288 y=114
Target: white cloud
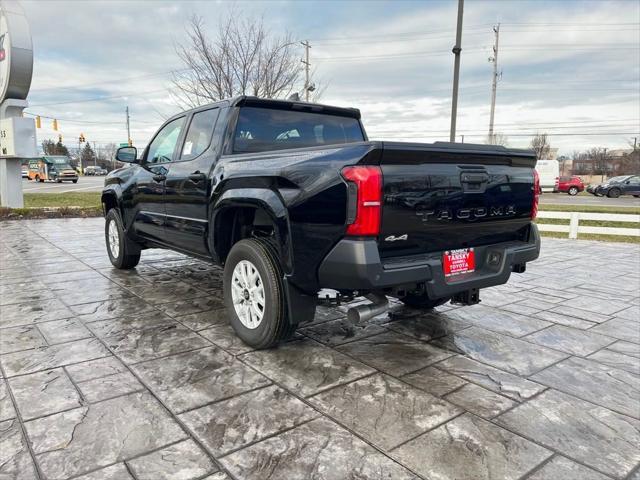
x=391 y=60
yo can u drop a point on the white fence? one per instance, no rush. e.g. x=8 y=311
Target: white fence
x=574 y=227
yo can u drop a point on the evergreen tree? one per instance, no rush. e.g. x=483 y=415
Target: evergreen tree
x=61 y=149
x=88 y=155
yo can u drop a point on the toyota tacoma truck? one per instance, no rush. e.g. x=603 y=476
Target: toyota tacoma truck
x=291 y=198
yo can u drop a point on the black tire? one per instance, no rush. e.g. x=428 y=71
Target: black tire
x=637 y=196
x=128 y=254
x=58 y=180
x=573 y=191
x=422 y=301
x=74 y=181
x=614 y=193
x=274 y=326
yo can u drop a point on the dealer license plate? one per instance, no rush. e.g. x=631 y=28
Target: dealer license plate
x=455 y=262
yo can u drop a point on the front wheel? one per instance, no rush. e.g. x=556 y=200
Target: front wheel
x=254 y=294
x=613 y=193
x=573 y=191
x=74 y=181
x=123 y=253
x=422 y=301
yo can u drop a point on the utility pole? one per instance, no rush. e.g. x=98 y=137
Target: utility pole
x=307 y=64
x=456 y=72
x=128 y=127
x=494 y=83
x=95 y=155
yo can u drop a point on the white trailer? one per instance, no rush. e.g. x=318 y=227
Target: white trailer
x=548 y=171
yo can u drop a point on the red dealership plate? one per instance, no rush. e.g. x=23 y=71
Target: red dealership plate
x=455 y=262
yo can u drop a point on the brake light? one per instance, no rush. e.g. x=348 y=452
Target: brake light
x=536 y=195
x=365 y=190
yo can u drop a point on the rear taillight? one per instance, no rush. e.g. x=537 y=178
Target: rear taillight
x=536 y=195
x=365 y=200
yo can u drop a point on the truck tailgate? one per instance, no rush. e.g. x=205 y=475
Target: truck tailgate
x=440 y=197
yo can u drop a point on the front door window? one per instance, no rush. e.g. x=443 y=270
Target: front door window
x=163 y=146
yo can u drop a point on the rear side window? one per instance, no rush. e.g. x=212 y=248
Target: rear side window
x=199 y=134
x=264 y=129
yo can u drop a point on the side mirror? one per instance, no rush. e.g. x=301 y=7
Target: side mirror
x=127 y=154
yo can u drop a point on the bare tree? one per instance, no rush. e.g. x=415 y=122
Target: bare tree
x=540 y=144
x=497 y=139
x=243 y=59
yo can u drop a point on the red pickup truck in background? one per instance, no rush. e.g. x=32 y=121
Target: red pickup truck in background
x=570 y=184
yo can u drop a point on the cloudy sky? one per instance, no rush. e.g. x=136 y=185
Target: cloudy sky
x=569 y=68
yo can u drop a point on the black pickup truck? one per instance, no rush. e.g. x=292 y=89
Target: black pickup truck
x=292 y=198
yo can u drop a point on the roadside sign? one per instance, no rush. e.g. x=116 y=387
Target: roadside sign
x=125 y=144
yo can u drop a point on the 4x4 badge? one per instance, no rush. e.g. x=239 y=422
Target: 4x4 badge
x=393 y=238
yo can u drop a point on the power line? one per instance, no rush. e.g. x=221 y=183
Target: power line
x=115 y=80
x=82 y=122
x=97 y=99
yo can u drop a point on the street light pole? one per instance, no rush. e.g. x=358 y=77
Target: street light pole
x=456 y=72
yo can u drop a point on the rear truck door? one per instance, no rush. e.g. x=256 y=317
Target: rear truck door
x=444 y=197
x=187 y=184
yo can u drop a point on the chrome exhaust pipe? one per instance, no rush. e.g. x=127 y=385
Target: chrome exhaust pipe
x=379 y=304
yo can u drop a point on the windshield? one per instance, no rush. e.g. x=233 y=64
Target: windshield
x=263 y=129
x=617 y=179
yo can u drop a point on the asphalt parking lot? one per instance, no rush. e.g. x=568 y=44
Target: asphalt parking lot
x=136 y=375
x=85 y=184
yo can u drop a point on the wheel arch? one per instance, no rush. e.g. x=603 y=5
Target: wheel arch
x=109 y=199
x=239 y=212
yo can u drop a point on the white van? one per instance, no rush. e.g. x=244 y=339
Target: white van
x=548 y=171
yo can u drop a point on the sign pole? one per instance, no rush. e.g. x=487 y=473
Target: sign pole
x=17 y=134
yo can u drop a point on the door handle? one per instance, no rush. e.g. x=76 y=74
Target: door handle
x=197 y=177
x=160 y=177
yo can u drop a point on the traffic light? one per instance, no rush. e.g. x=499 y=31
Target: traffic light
x=130 y=143
x=55 y=125
x=38 y=123
x=59 y=138
x=81 y=139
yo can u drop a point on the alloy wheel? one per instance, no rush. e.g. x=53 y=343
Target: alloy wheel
x=114 y=239
x=247 y=293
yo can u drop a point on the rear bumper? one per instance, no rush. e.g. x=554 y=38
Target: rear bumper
x=356 y=265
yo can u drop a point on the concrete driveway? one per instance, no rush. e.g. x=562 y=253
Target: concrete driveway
x=136 y=375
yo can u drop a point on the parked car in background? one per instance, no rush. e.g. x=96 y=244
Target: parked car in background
x=569 y=184
x=94 y=170
x=52 y=167
x=616 y=186
x=548 y=172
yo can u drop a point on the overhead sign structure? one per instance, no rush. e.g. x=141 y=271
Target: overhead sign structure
x=17 y=134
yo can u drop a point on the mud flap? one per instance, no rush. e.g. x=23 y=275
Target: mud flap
x=301 y=307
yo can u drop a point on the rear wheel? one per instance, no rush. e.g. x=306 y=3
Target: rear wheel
x=254 y=294
x=123 y=253
x=573 y=191
x=422 y=301
x=613 y=193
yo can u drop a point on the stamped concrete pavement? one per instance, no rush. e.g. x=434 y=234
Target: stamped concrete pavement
x=137 y=375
